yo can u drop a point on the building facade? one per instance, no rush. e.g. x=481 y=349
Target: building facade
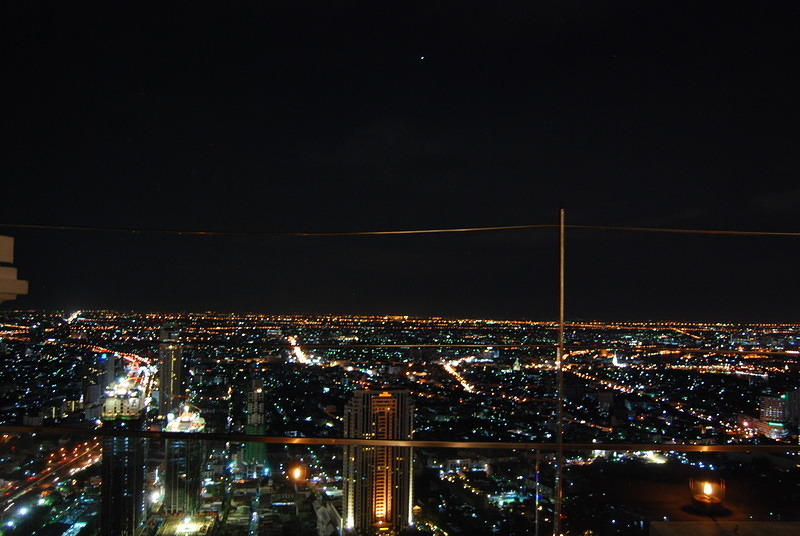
x=772 y=408
x=122 y=510
x=184 y=464
x=780 y=414
x=378 y=490
x=255 y=454
x=170 y=375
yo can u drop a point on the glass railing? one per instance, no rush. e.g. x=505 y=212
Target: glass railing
x=69 y=483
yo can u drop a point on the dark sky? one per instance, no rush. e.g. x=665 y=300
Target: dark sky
x=256 y=119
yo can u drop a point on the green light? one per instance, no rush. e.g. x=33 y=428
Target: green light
x=783 y=396
x=777 y=424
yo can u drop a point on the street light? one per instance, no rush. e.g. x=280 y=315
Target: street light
x=297 y=473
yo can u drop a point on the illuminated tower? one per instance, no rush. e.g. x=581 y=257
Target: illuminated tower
x=378 y=492
x=122 y=490
x=184 y=464
x=170 y=377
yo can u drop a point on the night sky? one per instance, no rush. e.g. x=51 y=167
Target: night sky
x=176 y=116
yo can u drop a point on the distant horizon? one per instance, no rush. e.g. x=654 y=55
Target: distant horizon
x=397 y=316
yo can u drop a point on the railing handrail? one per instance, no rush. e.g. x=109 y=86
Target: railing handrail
x=337 y=441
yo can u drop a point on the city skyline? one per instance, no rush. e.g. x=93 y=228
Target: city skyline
x=512 y=270
x=269 y=434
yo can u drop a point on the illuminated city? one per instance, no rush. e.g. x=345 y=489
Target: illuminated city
x=470 y=380
x=436 y=269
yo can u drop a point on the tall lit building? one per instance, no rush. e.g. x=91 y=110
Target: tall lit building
x=170 y=376
x=122 y=508
x=378 y=491
x=780 y=414
x=184 y=464
x=773 y=415
x=772 y=408
x=255 y=453
x=109 y=369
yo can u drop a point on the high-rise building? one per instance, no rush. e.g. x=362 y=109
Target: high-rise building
x=170 y=377
x=122 y=508
x=772 y=408
x=378 y=491
x=780 y=413
x=184 y=464
x=255 y=454
x=109 y=369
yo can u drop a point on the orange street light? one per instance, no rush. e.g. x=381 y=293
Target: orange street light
x=298 y=473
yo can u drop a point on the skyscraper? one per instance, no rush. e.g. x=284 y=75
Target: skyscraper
x=773 y=408
x=170 y=377
x=122 y=493
x=780 y=414
x=378 y=491
x=109 y=369
x=184 y=464
x=255 y=453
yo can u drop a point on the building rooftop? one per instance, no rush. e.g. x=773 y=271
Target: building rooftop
x=188 y=421
x=180 y=526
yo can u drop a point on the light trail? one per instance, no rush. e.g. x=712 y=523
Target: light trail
x=449 y=367
x=684 y=332
x=298 y=352
x=90 y=451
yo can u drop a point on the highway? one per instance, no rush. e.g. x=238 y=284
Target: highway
x=85 y=457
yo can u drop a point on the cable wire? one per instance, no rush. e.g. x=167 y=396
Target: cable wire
x=131 y=230
x=398 y=232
